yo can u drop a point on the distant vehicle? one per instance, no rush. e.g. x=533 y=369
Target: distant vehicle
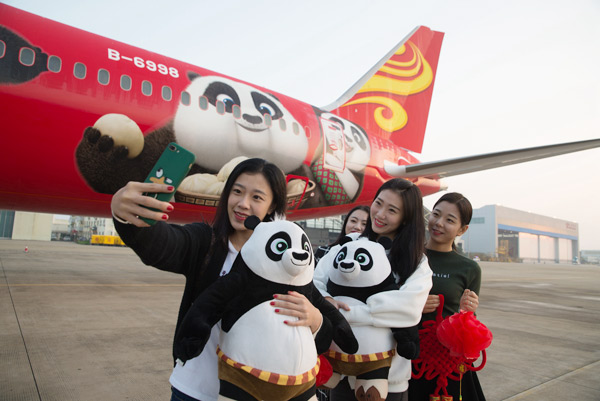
x=106 y=240
x=476 y=259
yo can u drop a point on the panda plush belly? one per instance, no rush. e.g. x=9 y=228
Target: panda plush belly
x=370 y=339
x=274 y=338
x=361 y=271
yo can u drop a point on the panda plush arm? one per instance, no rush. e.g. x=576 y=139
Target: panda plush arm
x=207 y=310
x=399 y=308
x=321 y=275
x=335 y=327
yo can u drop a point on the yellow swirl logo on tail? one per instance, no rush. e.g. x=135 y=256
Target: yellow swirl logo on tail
x=397 y=76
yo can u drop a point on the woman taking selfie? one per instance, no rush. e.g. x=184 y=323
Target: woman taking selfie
x=396 y=213
x=203 y=253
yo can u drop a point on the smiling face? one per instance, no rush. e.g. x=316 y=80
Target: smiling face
x=356 y=222
x=226 y=119
x=444 y=226
x=387 y=213
x=250 y=195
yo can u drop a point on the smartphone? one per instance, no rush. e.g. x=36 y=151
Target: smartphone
x=171 y=168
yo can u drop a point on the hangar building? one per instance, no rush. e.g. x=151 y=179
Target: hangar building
x=509 y=234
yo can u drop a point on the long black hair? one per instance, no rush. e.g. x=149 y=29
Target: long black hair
x=222 y=227
x=408 y=244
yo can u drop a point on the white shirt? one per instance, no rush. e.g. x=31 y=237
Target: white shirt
x=198 y=378
x=402 y=308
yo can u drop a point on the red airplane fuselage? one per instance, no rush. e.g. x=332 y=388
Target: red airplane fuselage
x=57 y=80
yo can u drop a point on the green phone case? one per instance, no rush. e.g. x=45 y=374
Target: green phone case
x=171 y=168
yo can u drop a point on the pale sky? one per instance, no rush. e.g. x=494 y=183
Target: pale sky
x=511 y=74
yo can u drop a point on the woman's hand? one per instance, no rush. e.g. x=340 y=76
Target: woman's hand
x=338 y=304
x=469 y=301
x=127 y=203
x=296 y=305
x=432 y=303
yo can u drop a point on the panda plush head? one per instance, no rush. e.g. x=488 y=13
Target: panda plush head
x=361 y=263
x=278 y=251
x=226 y=119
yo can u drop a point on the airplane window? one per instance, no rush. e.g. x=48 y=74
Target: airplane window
x=103 y=77
x=236 y=110
x=307 y=132
x=166 y=93
x=268 y=119
x=2 y=48
x=220 y=107
x=296 y=128
x=203 y=100
x=125 y=82
x=185 y=98
x=54 y=63
x=27 y=56
x=282 y=124
x=147 y=88
x=79 y=70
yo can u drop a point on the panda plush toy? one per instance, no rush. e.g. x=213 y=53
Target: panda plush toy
x=361 y=271
x=260 y=357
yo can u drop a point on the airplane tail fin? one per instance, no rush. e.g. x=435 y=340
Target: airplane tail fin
x=392 y=99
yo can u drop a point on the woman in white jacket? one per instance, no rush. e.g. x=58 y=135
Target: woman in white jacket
x=396 y=213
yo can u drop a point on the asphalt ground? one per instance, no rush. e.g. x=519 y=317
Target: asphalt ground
x=93 y=323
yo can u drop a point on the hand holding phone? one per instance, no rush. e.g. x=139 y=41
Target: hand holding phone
x=171 y=168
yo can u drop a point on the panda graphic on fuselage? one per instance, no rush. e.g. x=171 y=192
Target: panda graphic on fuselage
x=360 y=270
x=341 y=185
x=250 y=134
x=255 y=344
x=17 y=53
x=223 y=119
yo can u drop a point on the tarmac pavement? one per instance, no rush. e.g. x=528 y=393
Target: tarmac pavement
x=94 y=323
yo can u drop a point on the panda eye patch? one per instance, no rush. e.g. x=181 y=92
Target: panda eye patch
x=359 y=138
x=364 y=259
x=227 y=100
x=221 y=91
x=277 y=245
x=339 y=257
x=264 y=105
x=306 y=244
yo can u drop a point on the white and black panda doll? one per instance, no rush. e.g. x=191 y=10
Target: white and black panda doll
x=260 y=357
x=361 y=271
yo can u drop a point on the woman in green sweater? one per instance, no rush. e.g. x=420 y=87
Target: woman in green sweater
x=457 y=278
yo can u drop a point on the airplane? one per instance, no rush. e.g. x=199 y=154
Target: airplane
x=84 y=114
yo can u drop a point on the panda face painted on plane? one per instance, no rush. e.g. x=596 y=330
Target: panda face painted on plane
x=358 y=149
x=233 y=124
